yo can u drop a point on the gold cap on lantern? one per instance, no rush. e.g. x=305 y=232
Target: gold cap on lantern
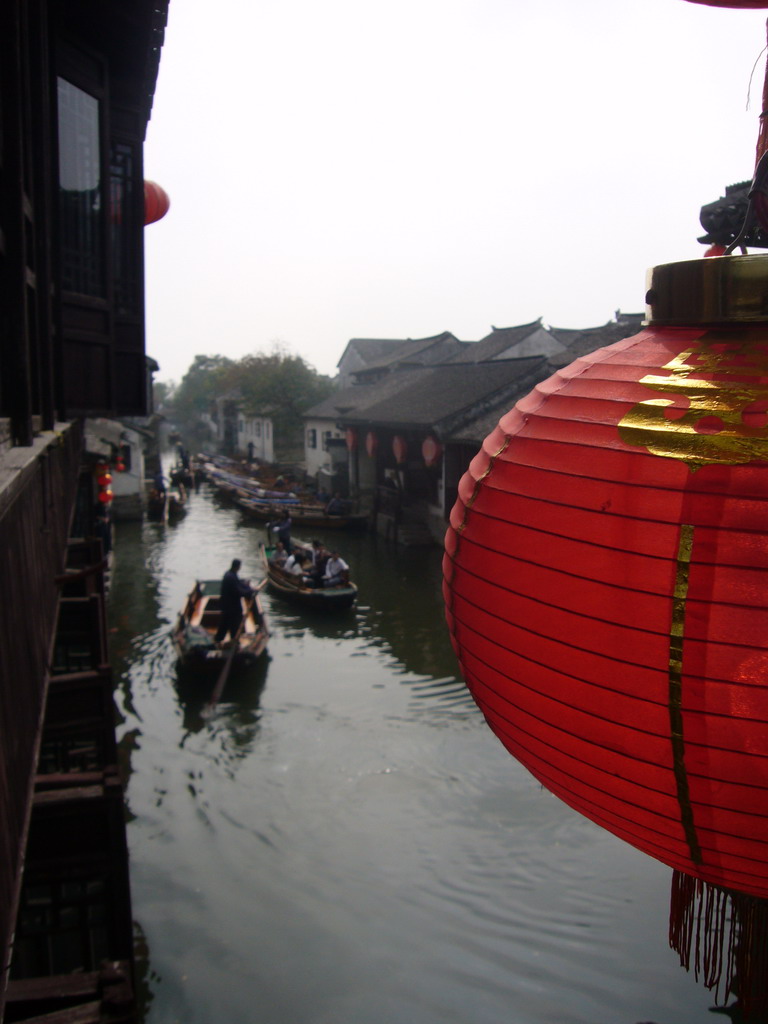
x=716 y=290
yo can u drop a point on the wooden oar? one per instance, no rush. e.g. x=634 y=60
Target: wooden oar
x=224 y=674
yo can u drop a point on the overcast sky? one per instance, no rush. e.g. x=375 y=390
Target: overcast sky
x=398 y=168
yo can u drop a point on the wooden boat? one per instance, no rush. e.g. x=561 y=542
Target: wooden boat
x=193 y=634
x=313 y=516
x=157 y=504
x=292 y=588
x=177 y=502
x=265 y=504
x=181 y=476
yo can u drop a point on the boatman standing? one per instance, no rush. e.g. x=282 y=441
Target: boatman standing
x=282 y=529
x=232 y=590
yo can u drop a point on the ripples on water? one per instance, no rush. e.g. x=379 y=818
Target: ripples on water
x=344 y=841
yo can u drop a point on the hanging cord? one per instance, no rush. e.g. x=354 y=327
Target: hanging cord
x=762 y=133
x=757 y=206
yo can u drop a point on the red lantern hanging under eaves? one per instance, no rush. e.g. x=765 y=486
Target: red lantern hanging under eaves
x=606 y=577
x=351 y=439
x=371 y=444
x=400 y=449
x=431 y=450
x=156 y=202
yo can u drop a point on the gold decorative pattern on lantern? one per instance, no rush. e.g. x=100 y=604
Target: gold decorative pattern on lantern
x=677 y=636
x=714 y=407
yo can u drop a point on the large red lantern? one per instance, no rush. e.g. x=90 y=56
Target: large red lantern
x=399 y=448
x=605 y=577
x=371 y=444
x=751 y=4
x=431 y=450
x=156 y=202
x=351 y=439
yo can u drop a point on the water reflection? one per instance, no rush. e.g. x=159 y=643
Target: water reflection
x=344 y=840
x=237 y=711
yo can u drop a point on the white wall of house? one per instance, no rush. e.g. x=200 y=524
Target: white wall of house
x=211 y=424
x=317 y=433
x=255 y=430
x=104 y=438
x=128 y=486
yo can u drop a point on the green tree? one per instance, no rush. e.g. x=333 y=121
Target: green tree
x=283 y=386
x=162 y=394
x=206 y=379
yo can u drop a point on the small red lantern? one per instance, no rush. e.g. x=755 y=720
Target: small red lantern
x=431 y=450
x=156 y=202
x=400 y=449
x=371 y=444
x=105 y=497
x=105 y=480
x=351 y=439
x=119 y=464
x=606 y=578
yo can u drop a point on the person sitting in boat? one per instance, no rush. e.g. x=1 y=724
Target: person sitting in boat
x=318 y=559
x=336 y=571
x=279 y=556
x=232 y=590
x=320 y=556
x=335 y=506
x=294 y=564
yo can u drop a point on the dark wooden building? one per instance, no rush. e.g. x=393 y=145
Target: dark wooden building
x=75 y=97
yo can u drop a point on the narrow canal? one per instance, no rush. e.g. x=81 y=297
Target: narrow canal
x=345 y=841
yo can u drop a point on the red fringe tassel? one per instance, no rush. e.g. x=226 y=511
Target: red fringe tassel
x=725 y=934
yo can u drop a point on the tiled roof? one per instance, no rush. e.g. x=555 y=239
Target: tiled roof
x=370 y=350
x=421 y=351
x=431 y=395
x=346 y=400
x=492 y=345
x=582 y=341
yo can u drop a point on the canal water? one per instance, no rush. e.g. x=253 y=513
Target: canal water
x=345 y=841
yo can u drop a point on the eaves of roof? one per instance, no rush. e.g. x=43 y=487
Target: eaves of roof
x=474 y=430
x=439 y=396
x=370 y=350
x=589 y=339
x=499 y=340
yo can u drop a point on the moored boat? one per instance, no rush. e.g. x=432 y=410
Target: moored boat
x=177 y=502
x=293 y=588
x=157 y=504
x=195 y=629
x=311 y=516
x=265 y=503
